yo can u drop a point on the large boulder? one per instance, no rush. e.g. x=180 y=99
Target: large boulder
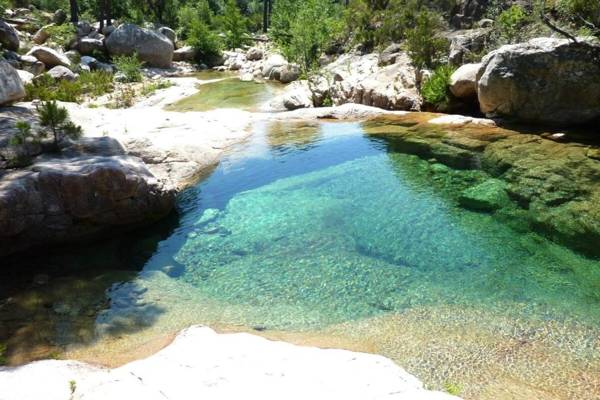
x=169 y=33
x=88 y=46
x=151 y=47
x=359 y=79
x=61 y=73
x=97 y=190
x=186 y=53
x=49 y=56
x=254 y=54
x=463 y=82
x=9 y=38
x=42 y=35
x=465 y=44
x=297 y=96
x=272 y=62
x=11 y=86
x=32 y=64
x=545 y=80
x=286 y=73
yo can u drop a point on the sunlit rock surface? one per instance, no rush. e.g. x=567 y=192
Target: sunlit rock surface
x=203 y=364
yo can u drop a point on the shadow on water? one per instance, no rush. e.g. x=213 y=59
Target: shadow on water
x=54 y=297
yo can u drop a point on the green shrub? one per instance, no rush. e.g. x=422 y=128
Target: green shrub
x=189 y=14
x=3 y=354
x=45 y=88
x=150 y=88
x=130 y=67
x=207 y=43
x=310 y=29
x=510 y=22
x=452 y=388
x=435 y=90
x=425 y=48
x=56 y=119
x=62 y=35
x=235 y=25
x=22 y=135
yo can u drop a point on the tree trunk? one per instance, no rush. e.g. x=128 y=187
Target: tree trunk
x=74 y=11
x=265 y=16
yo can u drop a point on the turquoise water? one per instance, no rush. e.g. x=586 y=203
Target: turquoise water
x=301 y=235
x=306 y=227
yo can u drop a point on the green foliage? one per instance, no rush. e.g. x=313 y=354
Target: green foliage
x=235 y=25
x=22 y=135
x=46 y=88
x=56 y=119
x=510 y=22
x=3 y=360
x=584 y=14
x=424 y=46
x=311 y=27
x=62 y=35
x=72 y=387
x=207 y=43
x=452 y=388
x=191 y=14
x=150 y=88
x=130 y=67
x=435 y=90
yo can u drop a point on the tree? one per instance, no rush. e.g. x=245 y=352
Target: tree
x=305 y=29
x=74 y=11
x=56 y=118
x=234 y=25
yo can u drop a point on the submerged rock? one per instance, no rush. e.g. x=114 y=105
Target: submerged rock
x=545 y=80
x=487 y=196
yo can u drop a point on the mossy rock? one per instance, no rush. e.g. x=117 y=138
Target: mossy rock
x=489 y=195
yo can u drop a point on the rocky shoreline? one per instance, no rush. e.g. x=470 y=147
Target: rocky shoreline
x=232 y=365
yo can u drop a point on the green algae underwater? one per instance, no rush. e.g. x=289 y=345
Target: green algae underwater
x=334 y=230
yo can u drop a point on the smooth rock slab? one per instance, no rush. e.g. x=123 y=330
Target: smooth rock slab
x=11 y=86
x=202 y=364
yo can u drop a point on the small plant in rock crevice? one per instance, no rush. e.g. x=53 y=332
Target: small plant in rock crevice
x=56 y=119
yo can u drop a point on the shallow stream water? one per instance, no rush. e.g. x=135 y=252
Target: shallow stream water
x=320 y=234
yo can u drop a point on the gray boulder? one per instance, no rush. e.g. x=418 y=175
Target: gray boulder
x=298 y=95
x=78 y=197
x=59 y=17
x=61 y=73
x=49 y=56
x=42 y=35
x=9 y=38
x=466 y=42
x=32 y=64
x=358 y=79
x=463 y=82
x=88 y=46
x=169 y=33
x=545 y=80
x=26 y=77
x=389 y=54
x=254 y=54
x=286 y=73
x=186 y=53
x=151 y=47
x=11 y=87
x=272 y=62
x=90 y=63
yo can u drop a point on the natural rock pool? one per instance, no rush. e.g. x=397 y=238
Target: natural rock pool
x=333 y=234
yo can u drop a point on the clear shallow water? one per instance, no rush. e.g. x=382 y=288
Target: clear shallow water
x=318 y=228
x=228 y=92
